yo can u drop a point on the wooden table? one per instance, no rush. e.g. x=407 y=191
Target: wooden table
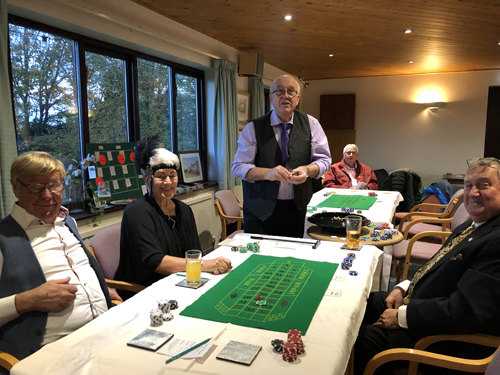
x=317 y=233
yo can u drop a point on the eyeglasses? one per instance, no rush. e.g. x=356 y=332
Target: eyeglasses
x=483 y=161
x=163 y=177
x=54 y=187
x=290 y=92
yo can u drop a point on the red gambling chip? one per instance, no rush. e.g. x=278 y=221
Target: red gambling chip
x=99 y=181
x=132 y=156
x=121 y=158
x=102 y=159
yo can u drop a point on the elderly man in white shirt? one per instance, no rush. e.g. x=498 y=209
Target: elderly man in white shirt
x=50 y=285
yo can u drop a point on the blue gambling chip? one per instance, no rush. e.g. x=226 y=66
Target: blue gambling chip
x=353 y=273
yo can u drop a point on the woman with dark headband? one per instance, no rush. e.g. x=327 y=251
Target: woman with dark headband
x=157 y=229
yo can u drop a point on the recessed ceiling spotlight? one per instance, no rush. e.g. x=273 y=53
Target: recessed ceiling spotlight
x=499 y=43
x=330 y=55
x=408 y=31
x=410 y=61
x=288 y=17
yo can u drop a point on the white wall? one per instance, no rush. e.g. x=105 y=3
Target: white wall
x=393 y=131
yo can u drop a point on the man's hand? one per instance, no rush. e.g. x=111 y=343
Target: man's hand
x=216 y=266
x=395 y=298
x=52 y=296
x=299 y=175
x=114 y=295
x=388 y=319
x=279 y=173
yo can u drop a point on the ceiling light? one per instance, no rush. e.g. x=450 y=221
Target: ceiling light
x=288 y=17
x=410 y=61
x=408 y=31
x=330 y=55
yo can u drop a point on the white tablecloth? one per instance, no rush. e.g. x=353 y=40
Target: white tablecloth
x=99 y=348
x=382 y=211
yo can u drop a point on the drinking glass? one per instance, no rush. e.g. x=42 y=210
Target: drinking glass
x=353 y=229
x=103 y=192
x=193 y=267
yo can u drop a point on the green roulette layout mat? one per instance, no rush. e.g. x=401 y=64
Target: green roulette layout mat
x=292 y=288
x=359 y=202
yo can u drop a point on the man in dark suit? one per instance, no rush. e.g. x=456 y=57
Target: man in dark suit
x=456 y=292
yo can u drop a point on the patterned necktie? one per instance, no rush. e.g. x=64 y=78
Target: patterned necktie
x=284 y=144
x=441 y=253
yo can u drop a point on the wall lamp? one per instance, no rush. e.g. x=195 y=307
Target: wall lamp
x=434 y=106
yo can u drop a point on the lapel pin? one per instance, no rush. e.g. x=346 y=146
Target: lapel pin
x=470 y=239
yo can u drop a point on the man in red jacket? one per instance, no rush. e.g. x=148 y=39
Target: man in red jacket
x=349 y=173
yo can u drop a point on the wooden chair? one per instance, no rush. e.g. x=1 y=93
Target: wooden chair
x=420 y=355
x=425 y=225
x=105 y=247
x=417 y=251
x=229 y=210
x=7 y=361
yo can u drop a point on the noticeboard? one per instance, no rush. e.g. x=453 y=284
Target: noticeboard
x=115 y=163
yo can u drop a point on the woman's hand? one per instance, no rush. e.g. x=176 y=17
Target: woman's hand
x=216 y=266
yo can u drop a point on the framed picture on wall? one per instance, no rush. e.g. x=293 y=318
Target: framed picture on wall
x=243 y=107
x=191 y=166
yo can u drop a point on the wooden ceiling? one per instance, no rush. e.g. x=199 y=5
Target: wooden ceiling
x=366 y=37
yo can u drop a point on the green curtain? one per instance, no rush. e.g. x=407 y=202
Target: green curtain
x=256 y=91
x=225 y=122
x=8 y=148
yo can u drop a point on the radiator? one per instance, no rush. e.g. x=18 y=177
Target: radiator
x=204 y=215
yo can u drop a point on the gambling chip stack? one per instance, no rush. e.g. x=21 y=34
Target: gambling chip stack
x=156 y=316
x=173 y=304
x=289 y=352
x=295 y=336
x=277 y=345
x=348 y=210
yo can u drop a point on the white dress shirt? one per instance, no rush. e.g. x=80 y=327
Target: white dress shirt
x=247 y=149
x=60 y=255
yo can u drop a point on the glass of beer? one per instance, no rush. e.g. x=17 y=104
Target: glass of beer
x=353 y=229
x=103 y=192
x=193 y=267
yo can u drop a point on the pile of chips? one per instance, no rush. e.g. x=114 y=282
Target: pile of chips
x=347 y=262
x=162 y=313
x=252 y=247
x=348 y=210
x=292 y=348
x=311 y=209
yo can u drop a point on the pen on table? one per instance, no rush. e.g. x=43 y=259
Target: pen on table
x=184 y=275
x=188 y=350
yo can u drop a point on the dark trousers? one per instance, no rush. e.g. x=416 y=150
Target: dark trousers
x=286 y=220
x=372 y=340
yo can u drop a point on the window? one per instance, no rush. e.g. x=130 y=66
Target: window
x=70 y=90
x=44 y=93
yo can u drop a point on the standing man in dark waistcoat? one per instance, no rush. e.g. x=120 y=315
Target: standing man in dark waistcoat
x=277 y=156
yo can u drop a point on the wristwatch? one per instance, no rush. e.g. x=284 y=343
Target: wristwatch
x=307 y=171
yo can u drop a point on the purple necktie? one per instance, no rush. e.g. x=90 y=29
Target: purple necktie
x=284 y=144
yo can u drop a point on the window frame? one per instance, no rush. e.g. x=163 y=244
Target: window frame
x=82 y=44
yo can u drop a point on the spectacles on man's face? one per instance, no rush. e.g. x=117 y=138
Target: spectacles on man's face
x=54 y=187
x=163 y=176
x=483 y=161
x=290 y=92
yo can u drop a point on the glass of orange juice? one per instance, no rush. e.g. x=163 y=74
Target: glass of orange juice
x=353 y=229
x=193 y=267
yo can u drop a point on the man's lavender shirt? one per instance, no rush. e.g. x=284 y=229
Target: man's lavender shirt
x=247 y=148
